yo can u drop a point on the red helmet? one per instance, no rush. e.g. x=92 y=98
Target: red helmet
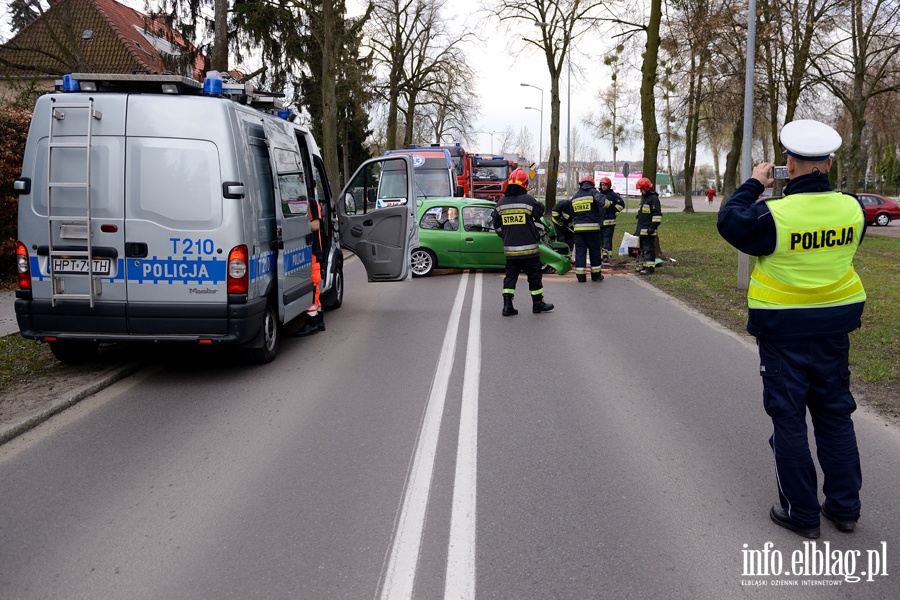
x=518 y=177
x=587 y=178
x=606 y=180
x=643 y=184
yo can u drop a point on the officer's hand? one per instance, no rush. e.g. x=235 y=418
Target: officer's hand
x=761 y=173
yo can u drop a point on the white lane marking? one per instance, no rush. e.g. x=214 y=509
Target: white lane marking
x=460 y=581
x=400 y=574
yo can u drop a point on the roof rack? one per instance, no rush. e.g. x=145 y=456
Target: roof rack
x=216 y=84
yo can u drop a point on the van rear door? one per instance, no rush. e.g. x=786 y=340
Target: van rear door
x=381 y=237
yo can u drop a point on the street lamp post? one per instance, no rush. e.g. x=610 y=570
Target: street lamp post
x=490 y=133
x=540 y=134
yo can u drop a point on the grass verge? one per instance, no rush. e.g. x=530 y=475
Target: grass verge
x=705 y=277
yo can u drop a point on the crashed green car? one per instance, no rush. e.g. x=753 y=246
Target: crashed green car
x=456 y=233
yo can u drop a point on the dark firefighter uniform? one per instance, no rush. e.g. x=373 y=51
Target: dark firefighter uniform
x=608 y=225
x=514 y=220
x=649 y=216
x=585 y=212
x=804 y=299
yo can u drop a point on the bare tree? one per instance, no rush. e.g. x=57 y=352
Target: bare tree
x=858 y=64
x=610 y=120
x=524 y=144
x=506 y=141
x=412 y=46
x=552 y=27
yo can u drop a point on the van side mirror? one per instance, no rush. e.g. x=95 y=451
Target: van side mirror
x=458 y=192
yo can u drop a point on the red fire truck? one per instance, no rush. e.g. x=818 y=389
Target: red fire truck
x=491 y=174
x=463 y=166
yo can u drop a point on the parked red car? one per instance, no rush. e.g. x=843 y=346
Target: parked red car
x=879 y=210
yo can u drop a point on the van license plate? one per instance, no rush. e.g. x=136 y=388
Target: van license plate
x=80 y=265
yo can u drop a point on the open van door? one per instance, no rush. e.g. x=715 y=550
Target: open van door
x=381 y=227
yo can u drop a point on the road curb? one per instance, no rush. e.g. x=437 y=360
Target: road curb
x=8 y=432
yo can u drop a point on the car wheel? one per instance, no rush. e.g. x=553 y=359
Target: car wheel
x=422 y=261
x=271 y=334
x=334 y=297
x=74 y=353
x=882 y=219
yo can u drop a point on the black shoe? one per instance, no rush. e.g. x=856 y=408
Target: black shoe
x=597 y=277
x=311 y=327
x=581 y=278
x=320 y=324
x=840 y=524
x=780 y=517
x=541 y=306
x=508 y=309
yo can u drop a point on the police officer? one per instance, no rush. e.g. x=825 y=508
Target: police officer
x=585 y=210
x=608 y=226
x=804 y=299
x=649 y=216
x=315 y=316
x=514 y=219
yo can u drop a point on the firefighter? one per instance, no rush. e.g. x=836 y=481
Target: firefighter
x=315 y=317
x=649 y=216
x=585 y=209
x=515 y=219
x=608 y=226
x=804 y=299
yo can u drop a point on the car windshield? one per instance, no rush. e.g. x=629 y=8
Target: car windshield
x=490 y=173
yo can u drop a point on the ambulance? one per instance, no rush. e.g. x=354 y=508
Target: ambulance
x=156 y=208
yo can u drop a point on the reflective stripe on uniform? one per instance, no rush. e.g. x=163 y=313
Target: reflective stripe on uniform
x=587 y=227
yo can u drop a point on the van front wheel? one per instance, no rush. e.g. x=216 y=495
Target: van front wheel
x=74 y=353
x=271 y=338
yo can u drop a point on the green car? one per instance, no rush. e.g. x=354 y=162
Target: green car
x=456 y=233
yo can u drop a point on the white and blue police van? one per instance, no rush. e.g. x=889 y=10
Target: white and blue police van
x=155 y=208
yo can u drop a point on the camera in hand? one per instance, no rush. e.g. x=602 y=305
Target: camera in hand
x=779 y=173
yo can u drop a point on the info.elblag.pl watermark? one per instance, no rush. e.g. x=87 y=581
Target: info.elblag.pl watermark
x=815 y=564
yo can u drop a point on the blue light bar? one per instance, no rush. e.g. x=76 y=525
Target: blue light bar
x=212 y=86
x=285 y=114
x=70 y=84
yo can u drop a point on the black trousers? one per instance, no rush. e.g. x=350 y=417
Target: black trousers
x=606 y=235
x=812 y=374
x=587 y=242
x=531 y=266
x=648 y=250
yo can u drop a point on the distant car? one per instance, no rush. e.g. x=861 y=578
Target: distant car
x=458 y=234
x=767 y=194
x=879 y=210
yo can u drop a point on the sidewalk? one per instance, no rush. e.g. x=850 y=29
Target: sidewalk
x=8 y=322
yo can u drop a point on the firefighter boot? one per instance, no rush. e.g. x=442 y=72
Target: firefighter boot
x=508 y=309
x=538 y=304
x=581 y=277
x=598 y=276
x=320 y=322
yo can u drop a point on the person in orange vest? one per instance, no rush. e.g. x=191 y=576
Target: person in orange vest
x=315 y=317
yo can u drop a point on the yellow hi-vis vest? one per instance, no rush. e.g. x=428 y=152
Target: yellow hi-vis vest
x=812 y=267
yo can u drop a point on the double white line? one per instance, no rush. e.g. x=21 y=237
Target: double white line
x=400 y=573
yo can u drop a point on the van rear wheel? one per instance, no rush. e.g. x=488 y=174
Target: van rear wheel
x=271 y=338
x=74 y=353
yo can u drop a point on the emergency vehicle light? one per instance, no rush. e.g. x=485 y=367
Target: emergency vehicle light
x=212 y=86
x=70 y=84
x=169 y=88
x=88 y=86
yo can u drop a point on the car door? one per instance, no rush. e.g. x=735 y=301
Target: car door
x=381 y=237
x=479 y=244
x=294 y=257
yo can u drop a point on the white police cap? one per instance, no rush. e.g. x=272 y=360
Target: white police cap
x=809 y=140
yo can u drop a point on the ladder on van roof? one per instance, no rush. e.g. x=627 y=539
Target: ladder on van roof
x=57 y=283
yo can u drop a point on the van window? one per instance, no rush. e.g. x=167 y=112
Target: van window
x=174 y=182
x=263 y=169
x=293 y=194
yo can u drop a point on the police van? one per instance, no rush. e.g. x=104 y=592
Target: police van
x=155 y=208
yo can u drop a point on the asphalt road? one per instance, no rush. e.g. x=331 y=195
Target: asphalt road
x=426 y=447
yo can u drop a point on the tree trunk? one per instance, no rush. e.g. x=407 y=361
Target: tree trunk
x=648 y=81
x=219 y=58
x=733 y=161
x=331 y=43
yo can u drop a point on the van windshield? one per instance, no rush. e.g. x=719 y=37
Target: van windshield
x=429 y=183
